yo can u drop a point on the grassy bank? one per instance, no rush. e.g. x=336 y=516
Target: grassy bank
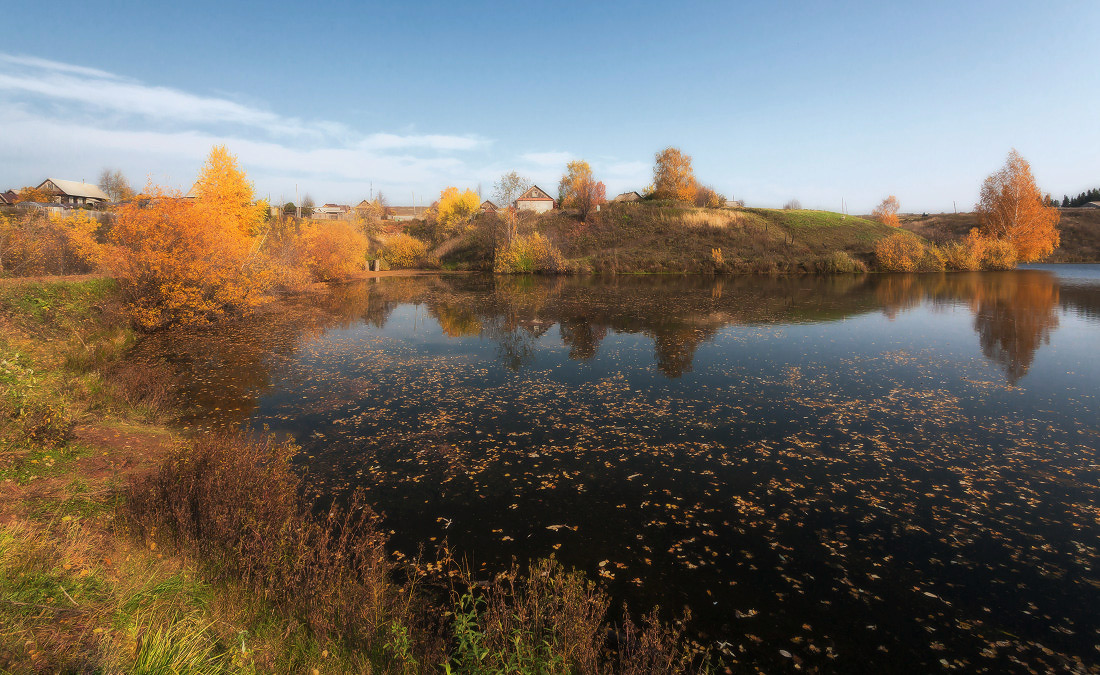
x=657 y=237
x=126 y=547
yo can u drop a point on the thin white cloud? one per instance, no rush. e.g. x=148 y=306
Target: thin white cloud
x=46 y=64
x=428 y=141
x=32 y=79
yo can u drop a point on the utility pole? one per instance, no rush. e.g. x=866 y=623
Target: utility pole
x=372 y=191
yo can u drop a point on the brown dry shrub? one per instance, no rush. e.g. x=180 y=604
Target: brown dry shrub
x=235 y=502
x=143 y=384
x=550 y=620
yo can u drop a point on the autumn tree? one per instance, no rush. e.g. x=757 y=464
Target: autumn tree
x=708 y=197
x=510 y=186
x=223 y=189
x=1011 y=208
x=579 y=190
x=115 y=185
x=34 y=195
x=673 y=177
x=178 y=261
x=455 y=208
x=307 y=206
x=887 y=212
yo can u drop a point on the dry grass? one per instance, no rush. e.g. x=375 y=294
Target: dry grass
x=235 y=503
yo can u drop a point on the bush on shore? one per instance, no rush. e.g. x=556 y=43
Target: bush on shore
x=404 y=251
x=528 y=254
x=904 y=252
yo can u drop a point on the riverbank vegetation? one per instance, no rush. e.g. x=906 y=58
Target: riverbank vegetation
x=126 y=546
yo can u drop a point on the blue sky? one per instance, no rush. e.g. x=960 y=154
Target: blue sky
x=773 y=100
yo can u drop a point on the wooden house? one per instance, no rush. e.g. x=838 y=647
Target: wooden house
x=627 y=197
x=535 y=199
x=72 y=192
x=488 y=207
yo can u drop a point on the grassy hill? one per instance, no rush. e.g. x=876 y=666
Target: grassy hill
x=664 y=238
x=1080 y=232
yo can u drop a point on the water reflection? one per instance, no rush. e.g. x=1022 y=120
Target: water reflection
x=1015 y=313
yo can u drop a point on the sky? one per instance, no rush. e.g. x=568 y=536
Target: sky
x=829 y=103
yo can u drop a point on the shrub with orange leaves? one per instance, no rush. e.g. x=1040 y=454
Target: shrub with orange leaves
x=179 y=262
x=404 y=251
x=999 y=254
x=333 y=249
x=966 y=255
x=903 y=252
x=34 y=243
x=1012 y=209
x=887 y=212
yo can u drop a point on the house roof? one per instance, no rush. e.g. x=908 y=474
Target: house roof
x=1092 y=205
x=488 y=204
x=406 y=210
x=625 y=196
x=535 y=193
x=9 y=197
x=75 y=189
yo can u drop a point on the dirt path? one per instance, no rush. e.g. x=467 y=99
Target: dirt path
x=116 y=454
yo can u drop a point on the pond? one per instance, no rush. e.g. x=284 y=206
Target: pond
x=853 y=473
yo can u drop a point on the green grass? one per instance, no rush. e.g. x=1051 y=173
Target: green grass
x=39 y=463
x=826 y=231
x=44 y=303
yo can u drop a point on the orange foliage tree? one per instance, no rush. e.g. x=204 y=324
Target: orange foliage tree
x=673 y=177
x=189 y=263
x=33 y=194
x=177 y=262
x=579 y=190
x=223 y=189
x=1011 y=208
x=887 y=212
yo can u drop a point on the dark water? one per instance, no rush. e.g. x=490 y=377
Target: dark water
x=871 y=474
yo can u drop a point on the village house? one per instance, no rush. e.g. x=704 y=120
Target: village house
x=9 y=197
x=403 y=213
x=535 y=199
x=1091 y=205
x=627 y=197
x=488 y=207
x=331 y=212
x=72 y=192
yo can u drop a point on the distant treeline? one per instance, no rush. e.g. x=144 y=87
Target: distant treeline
x=1092 y=195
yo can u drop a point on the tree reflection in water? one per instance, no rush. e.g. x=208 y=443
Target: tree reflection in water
x=229 y=367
